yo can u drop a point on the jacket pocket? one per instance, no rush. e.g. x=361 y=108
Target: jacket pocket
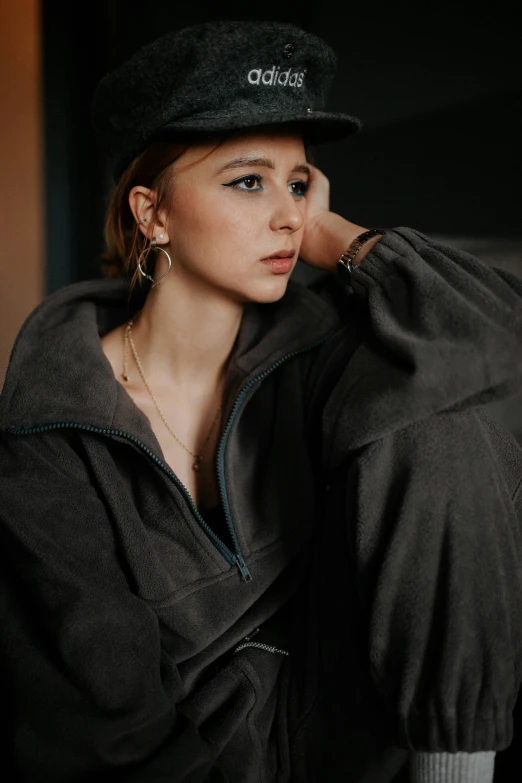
x=242 y=710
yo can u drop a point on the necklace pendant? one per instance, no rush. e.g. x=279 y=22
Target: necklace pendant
x=197 y=463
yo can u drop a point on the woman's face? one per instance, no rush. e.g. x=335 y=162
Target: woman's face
x=233 y=206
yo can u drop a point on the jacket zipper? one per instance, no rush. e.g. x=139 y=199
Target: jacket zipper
x=232 y=558
x=220 y=456
x=247 y=642
x=260 y=646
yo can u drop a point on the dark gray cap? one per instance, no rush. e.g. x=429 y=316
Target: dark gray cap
x=218 y=76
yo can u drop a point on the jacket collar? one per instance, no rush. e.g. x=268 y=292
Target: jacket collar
x=59 y=373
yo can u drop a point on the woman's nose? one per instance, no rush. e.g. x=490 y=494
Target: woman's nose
x=288 y=213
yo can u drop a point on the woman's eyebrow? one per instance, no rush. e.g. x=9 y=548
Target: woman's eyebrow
x=237 y=163
x=302 y=168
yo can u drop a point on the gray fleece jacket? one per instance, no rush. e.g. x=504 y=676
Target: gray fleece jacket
x=361 y=603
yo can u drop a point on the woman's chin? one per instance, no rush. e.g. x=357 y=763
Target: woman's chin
x=269 y=290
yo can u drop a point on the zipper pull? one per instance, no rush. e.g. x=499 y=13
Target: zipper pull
x=246 y=576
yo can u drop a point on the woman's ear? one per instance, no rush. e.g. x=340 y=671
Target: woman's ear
x=142 y=202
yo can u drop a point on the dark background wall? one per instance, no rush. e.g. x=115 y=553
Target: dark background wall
x=438 y=87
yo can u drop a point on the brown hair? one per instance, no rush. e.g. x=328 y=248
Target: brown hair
x=124 y=240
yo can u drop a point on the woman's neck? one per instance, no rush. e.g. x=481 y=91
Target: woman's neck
x=184 y=335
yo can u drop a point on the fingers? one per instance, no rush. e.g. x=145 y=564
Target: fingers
x=318 y=195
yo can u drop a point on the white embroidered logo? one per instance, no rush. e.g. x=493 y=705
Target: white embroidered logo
x=274 y=76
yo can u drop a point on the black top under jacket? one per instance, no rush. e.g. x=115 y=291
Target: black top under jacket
x=365 y=599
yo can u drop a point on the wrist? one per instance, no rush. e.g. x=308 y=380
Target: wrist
x=336 y=235
x=365 y=249
x=332 y=235
x=347 y=261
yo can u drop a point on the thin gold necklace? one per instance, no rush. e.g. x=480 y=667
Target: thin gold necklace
x=128 y=336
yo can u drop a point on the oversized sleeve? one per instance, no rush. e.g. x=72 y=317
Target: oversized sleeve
x=434 y=520
x=439 y=330
x=86 y=690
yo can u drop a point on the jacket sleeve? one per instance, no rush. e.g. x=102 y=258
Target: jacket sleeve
x=444 y=331
x=87 y=691
x=434 y=519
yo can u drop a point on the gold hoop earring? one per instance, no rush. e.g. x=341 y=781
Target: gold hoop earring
x=153 y=248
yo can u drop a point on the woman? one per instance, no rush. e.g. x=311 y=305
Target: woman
x=253 y=530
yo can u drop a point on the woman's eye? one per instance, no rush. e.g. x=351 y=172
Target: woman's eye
x=298 y=188
x=251 y=182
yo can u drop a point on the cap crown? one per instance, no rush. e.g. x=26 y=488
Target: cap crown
x=210 y=77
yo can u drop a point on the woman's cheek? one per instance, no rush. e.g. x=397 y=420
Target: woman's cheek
x=238 y=223
x=221 y=215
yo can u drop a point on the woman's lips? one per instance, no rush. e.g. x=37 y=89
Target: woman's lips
x=280 y=265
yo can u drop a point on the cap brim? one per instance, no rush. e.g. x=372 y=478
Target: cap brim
x=317 y=127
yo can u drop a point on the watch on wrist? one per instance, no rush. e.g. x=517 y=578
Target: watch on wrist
x=344 y=265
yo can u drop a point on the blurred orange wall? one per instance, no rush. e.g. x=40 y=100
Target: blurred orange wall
x=21 y=164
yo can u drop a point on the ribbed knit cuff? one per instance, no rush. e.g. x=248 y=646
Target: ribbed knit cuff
x=452 y=767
